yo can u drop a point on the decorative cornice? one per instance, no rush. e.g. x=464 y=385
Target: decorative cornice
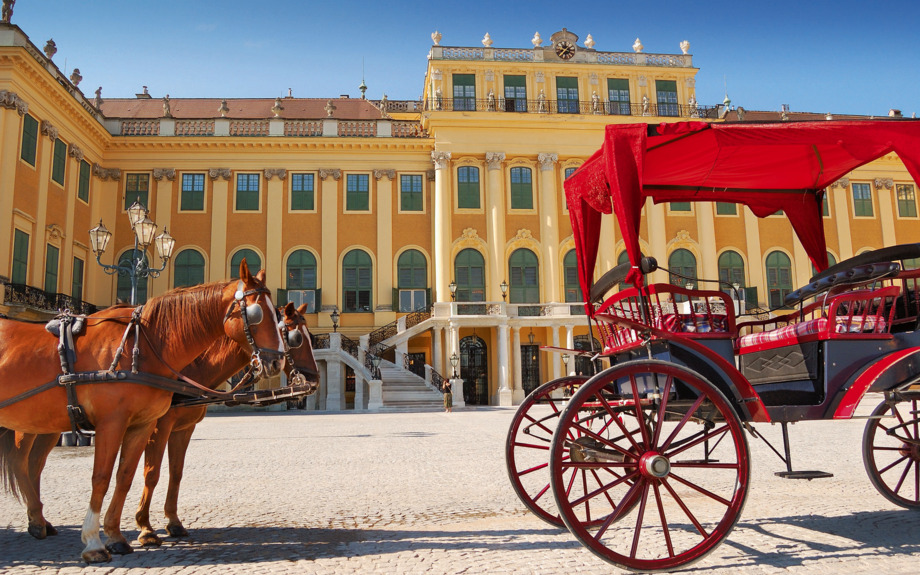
x=280 y=173
x=390 y=173
x=12 y=101
x=547 y=161
x=168 y=173
x=106 y=173
x=523 y=234
x=495 y=159
x=47 y=129
x=841 y=183
x=884 y=183
x=441 y=160
x=219 y=173
x=334 y=173
x=469 y=234
x=75 y=152
x=54 y=231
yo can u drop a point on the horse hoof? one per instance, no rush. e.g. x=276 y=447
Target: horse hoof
x=38 y=531
x=50 y=529
x=96 y=556
x=177 y=531
x=119 y=548
x=149 y=540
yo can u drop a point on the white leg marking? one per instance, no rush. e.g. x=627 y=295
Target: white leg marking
x=90 y=534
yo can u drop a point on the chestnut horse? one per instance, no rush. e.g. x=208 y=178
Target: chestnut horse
x=174 y=329
x=175 y=429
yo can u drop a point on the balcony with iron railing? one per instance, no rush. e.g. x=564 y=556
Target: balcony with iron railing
x=584 y=57
x=22 y=294
x=579 y=107
x=245 y=128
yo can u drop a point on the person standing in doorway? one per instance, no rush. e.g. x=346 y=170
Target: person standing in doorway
x=448 y=397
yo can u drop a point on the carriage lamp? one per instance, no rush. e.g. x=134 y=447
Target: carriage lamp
x=504 y=288
x=375 y=361
x=454 y=362
x=165 y=244
x=99 y=238
x=335 y=319
x=136 y=212
x=144 y=230
x=452 y=286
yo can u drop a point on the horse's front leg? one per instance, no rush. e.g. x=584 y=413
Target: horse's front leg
x=132 y=447
x=153 y=461
x=38 y=456
x=178 y=446
x=109 y=437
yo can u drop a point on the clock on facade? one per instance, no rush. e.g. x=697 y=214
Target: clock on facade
x=565 y=50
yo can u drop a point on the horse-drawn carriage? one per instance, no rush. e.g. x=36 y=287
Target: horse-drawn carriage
x=647 y=461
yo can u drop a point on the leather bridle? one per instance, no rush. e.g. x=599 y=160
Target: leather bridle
x=252 y=315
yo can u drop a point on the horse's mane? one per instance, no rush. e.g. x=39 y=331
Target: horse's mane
x=179 y=311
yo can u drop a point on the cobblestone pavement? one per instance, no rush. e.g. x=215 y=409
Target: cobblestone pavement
x=427 y=493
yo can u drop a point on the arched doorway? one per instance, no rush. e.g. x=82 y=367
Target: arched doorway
x=474 y=370
x=584 y=365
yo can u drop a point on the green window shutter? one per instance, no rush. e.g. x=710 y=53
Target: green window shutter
x=247 y=192
x=188 y=268
x=29 y=139
x=253 y=261
x=468 y=192
x=281 y=298
x=680 y=206
x=666 y=92
x=76 y=285
x=319 y=299
x=410 y=193
x=524 y=277
x=59 y=161
x=51 y=268
x=83 y=188
x=464 y=86
x=907 y=204
x=567 y=95
x=302 y=192
x=20 y=268
x=723 y=209
x=356 y=193
x=521 y=189
x=192 y=196
x=137 y=187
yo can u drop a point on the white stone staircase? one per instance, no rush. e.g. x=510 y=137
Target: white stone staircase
x=405 y=391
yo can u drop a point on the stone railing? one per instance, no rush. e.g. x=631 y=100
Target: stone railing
x=583 y=56
x=303 y=128
x=260 y=127
x=358 y=128
x=140 y=128
x=195 y=127
x=249 y=128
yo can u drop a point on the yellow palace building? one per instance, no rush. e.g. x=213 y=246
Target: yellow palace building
x=425 y=233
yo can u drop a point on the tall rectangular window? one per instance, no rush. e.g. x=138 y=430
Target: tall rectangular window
x=724 y=209
x=302 y=194
x=247 y=192
x=357 y=195
x=137 y=188
x=825 y=206
x=515 y=94
x=410 y=193
x=862 y=200
x=567 y=95
x=76 y=284
x=83 y=187
x=58 y=161
x=192 y=195
x=679 y=207
x=666 y=91
x=20 y=269
x=907 y=203
x=51 y=269
x=29 y=139
x=468 y=188
x=521 y=189
x=464 y=92
x=618 y=94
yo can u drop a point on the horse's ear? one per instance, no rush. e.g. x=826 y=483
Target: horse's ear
x=244 y=271
x=289 y=309
x=302 y=309
x=261 y=276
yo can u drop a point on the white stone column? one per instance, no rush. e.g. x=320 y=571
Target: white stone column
x=274 y=213
x=220 y=207
x=385 y=231
x=437 y=350
x=556 y=359
x=842 y=217
x=375 y=395
x=884 y=187
x=442 y=231
x=329 y=252
x=755 y=257
x=359 y=391
x=38 y=238
x=706 y=228
x=549 y=227
x=518 y=385
x=506 y=396
x=335 y=377
x=495 y=232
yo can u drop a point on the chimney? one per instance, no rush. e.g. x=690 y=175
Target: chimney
x=893 y=113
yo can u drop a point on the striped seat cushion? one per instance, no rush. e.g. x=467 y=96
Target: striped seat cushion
x=795 y=332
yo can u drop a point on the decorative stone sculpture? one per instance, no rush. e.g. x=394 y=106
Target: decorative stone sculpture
x=637 y=46
x=740 y=114
x=685 y=46
x=97 y=101
x=167 y=113
x=595 y=103
x=437 y=99
x=50 y=48
x=694 y=109
x=224 y=109
x=491 y=101
x=541 y=102
x=330 y=108
x=589 y=42
x=436 y=38
x=76 y=77
x=645 y=105
x=537 y=41
x=487 y=40
x=384 y=104
x=7 y=12
x=276 y=109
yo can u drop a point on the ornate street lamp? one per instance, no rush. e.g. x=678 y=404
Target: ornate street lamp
x=530 y=336
x=335 y=319
x=137 y=267
x=504 y=288
x=452 y=286
x=375 y=361
x=454 y=362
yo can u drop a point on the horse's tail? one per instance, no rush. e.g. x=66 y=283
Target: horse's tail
x=7 y=477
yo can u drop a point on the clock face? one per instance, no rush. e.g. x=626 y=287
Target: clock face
x=565 y=50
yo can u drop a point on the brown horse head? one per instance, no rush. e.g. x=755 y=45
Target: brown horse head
x=249 y=320
x=299 y=341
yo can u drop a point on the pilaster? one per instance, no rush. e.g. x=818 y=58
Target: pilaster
x=274 y=212
x=505 y=394
x=495 y=233
x=842 y=218
x=65 y=264
x=165 y=179
x=755 y=258
x=385 y=239
x=220 y=208
x=549 y=227
x=706 y=228
x=47 y=135
x=441 y=233
x=884 y=187
x=518 y=385
x=657 y=235
x=329 y=252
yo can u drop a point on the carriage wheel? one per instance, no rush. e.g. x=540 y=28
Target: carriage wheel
x=660 y=481
x=528 y=443
x=891 y=452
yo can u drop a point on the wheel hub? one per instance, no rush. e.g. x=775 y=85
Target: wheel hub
x=655 y=465
x=588 y=450
x=911 y=450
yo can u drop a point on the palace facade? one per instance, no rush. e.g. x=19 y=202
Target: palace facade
x=433 y=229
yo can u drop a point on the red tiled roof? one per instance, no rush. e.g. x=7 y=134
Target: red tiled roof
x=248 y=108
x=770 y=116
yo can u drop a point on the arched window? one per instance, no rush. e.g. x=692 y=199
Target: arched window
x=123 y=291
x=570 y=277
x=469 y=273
x=682 y=262
x=831 y=261
x=584 y=365
x=731 y=269
x=300 y=280
x=779 y=278
x=188 y=268
x=474 y=370
x=523 y=271
x=357 y=274
x=412 y=280
x=252 y=260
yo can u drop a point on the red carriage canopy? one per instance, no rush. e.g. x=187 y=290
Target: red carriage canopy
x=765 y=166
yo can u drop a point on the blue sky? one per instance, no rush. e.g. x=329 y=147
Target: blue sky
x=846 y=56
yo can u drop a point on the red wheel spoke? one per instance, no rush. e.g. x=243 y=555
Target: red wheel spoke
x=683 y=506
x=708 y=435
x=897 y=487
x=626 y=433
x=899 y=460
x=683 y=422
x=661 y=411
x=639 y=518
x=603 y=489
x=876 y=448
x=706 y=465
x=620 y=509
x=602 y=440
x=541 y=492
x=532 y=446
x=532 y=469
x=664 y=521
x=643 y=426
x=601 y=484
x=568 y=487
x=584 y=489
x=539 y=423
x=699 y=489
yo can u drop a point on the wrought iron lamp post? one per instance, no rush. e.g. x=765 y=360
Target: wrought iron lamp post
x=504 y=288
x=375 y=361
x=452 y=286
x=335 y=319
x=454 y=362
x=137 y=267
